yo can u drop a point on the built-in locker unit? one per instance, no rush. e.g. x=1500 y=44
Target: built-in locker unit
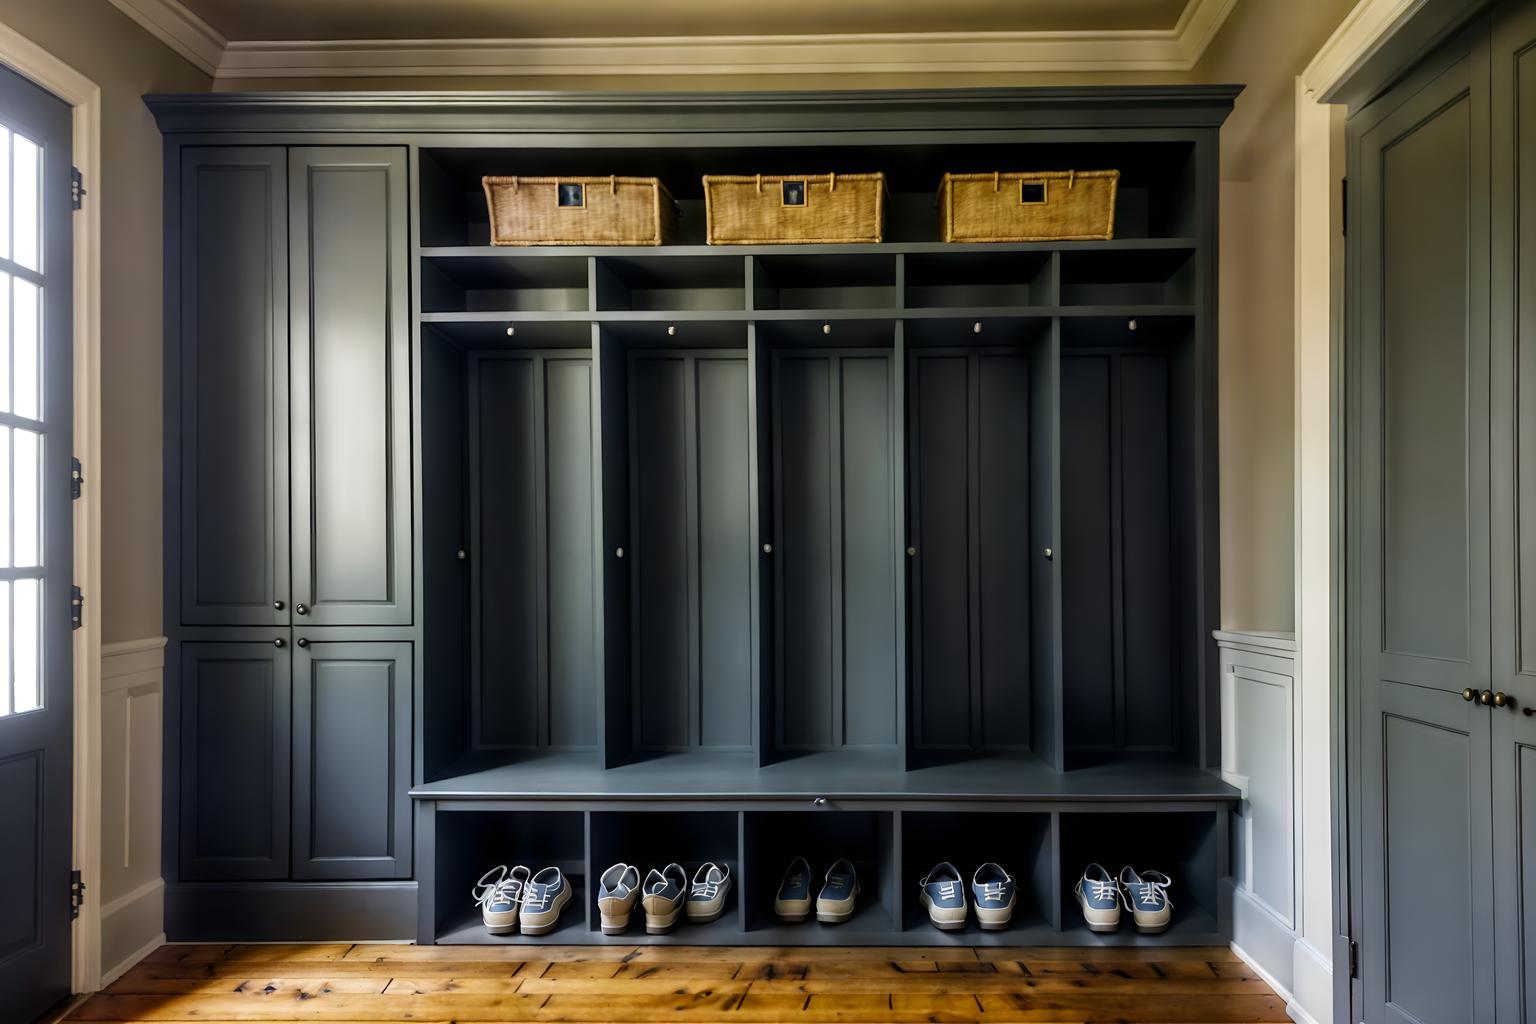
x=570 y=555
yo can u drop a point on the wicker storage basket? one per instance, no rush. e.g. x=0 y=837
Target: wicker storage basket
x=757 y=209
x=1041 y=206
x=580 y=211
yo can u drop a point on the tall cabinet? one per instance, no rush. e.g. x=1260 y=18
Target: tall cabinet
x=289 y=597
x=1442 y=575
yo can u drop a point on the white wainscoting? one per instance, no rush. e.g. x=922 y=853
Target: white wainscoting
x=1260 y=737
x=132 y=890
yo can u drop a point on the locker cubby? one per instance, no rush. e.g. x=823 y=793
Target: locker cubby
x=824 y=281
x=1022 y=842
x=468 y=843
x=508 y=554
x=771 y=839
x=952 y=280
x=1128 y=277
x=671 y=283
x=653 y=839
x=1129 y=542
x=452 y=284
x=829 y=518
x=678 y=562
x=980 y=419
x=1188 y=846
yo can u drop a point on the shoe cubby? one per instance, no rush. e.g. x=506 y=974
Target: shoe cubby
x=681 y=283
x=1021 y=842
x=824 y=281
x=1191 y=847
x=489 y=283
x=772 y=839
x=829 y=519
x=655 y=838
x=1150 y=276
x=468 y=843
x=985 y=280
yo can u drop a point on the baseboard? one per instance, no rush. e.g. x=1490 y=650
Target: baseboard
x=290 y=911
x=1312 y=984
x=1286 y=962
x=132 y=960
x=129 y=924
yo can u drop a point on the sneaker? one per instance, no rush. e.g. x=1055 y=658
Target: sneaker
x=1146 y=895
x=617 y=890
x=943 y=893
x=544 y=896
x=1099 y=897
x=839 y=892
x=706 y=897
x=663 y=898
x=993 y=891
x=498 y=893
x=793 y=902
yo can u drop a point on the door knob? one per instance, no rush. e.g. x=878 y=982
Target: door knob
x=302 y=609
x=1486 y=697
x=1469 y=695
x=278 y=605
x=1503 y=700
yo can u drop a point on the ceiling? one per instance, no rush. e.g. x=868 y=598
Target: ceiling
x=243 y=20
x=404 y=39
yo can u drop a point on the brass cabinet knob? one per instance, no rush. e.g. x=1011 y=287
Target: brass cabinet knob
x=1503 y=700
x=302 y=641
x=278 y=605
x=302 y=609
x=1469 y=695
x=1486 y=697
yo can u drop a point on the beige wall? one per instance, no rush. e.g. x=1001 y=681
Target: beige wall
x=98 y=41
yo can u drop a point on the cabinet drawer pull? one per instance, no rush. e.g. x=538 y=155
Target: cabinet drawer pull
x=279 y=642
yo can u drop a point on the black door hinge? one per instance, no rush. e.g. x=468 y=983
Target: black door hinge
x=1344 y=206
x=76 y=479
x=1354 y=959
x=76 y=188
x=76 y=894
x=76 y=608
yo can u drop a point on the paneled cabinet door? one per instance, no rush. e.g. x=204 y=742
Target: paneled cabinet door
x=351 y=424
x=352 y=760
x=234 y=768
x=229 y=547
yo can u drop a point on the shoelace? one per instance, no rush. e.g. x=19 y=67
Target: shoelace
x=536 y=897
x=508 y=890
x=992 y=892
x=948 y=890
x=1153 y=894
x=1104 y=890
x=708 y=890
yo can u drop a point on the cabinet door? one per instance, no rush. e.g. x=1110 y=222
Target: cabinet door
x=351 y=387
x=352 y=760
x=234 y=761
x=1420 y=603
x=230 y=435
x=1513 y=71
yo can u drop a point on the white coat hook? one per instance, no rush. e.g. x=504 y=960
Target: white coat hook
x=976 y=327
x=511 y=331
x=826 y=328
x=671 y=330
x=1131 y=326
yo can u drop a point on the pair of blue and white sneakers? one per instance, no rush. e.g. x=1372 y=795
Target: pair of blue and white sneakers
x=1144 y=894
x=517 y=898
x=993 y=891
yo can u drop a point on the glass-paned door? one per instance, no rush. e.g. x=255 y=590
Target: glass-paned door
x=36 y=539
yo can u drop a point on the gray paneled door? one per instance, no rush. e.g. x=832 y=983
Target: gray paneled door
x=1513 y=345
x=350 y=401
x=1421 y=610
x=36 y=539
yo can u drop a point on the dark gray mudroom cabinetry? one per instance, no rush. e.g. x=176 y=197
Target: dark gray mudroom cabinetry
x=567 y=555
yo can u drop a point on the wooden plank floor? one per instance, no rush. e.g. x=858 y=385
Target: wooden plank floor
x=617 y=985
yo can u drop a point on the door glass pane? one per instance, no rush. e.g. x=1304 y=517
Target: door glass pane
x=26 y=160
x=26 y=338
x=5 y=498
x=27 y=617
x=26 y=496
x=5 y=192
x=5 y=341
x=5 y=647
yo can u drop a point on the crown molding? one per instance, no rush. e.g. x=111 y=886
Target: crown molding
x=1359 y=36
x=1175 y=49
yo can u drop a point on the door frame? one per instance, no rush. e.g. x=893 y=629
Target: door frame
x=31 y=61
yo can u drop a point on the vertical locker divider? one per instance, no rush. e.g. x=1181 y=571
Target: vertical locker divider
x=743 y=875
x=891 y=868
x=599 y=534
x=613 y=458
x=587 y=868
x=1052 y=908
x=898 y=429
x=1049 y=696
x=761 y=529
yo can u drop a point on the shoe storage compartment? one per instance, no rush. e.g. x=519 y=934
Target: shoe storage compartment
x=678 y=561
x=1189 y=846
x=655 y=838
x=980 y=415
x=829 y=517
x=965 y=278
x=771 y=839
x=1022 y=843
x=468 y=843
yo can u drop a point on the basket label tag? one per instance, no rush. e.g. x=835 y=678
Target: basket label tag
x=794 y=193
x=1031 y=193
x=572 y=194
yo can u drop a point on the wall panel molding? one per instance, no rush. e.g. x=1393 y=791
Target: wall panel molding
x=1178 y=48
x=132 y=892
